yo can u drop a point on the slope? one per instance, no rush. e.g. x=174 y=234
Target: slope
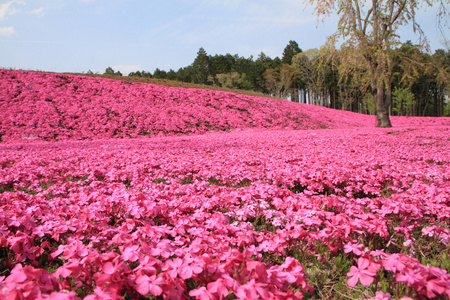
x=48 y=106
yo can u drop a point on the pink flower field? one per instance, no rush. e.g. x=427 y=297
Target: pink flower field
x=116 y=190
x=57 y=107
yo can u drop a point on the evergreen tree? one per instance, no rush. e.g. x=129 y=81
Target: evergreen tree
x=161 y=74
x=171 y=75
x=201 y=67
x=290 y=51
x=109 y=71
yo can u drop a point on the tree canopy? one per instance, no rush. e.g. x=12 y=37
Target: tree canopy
x=370 y=32
x=336 y=78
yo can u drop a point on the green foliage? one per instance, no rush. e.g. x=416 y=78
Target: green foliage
x=245 y=83
x=187 y=180
x=290 y=51
x=201 y=67
x=77 y=178
x=161 y=74
x=403 y=101
x=243 y=183
x=110 y=71
x=447 y=109
x=230 y=80
x=336 y=78
x=160 y=180
x=7 y=187
x=369 y=104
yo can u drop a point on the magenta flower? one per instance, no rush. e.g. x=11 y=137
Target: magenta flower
x=437 y=287
x=149 y=285
x=131 y=253
x=355 y=248
x=252 y=290
x=218 y=287
x=365 y=272
x=202 y=294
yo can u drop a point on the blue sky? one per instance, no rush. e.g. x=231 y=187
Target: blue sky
x=130 y=35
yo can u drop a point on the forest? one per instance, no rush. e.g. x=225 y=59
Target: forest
x=321 y=77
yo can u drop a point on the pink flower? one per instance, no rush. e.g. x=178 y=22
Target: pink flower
x=252 y=290
x=172 y=267
x=131 y=253
x=99 y=294
x=365 y=272
x=437 y=287
x=409 y=276
x=394 y=262
x=146 y=285
x=218 y=287
x=70 y=268
x=258 y=270
x=202 y=294
x=190 y=267
x=18 y=274
x=381 y=296
x=355 y=248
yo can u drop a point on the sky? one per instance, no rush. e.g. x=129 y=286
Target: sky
x=131 y=35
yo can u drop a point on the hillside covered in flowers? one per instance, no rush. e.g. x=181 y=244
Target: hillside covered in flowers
x=55 y=107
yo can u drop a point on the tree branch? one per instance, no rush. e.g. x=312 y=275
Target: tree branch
x=398 y=13
x=358 y=15
x=366 y=20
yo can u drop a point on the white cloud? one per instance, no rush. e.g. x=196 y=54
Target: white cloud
x=6 y=9
x=38 y=11
x=7 y=31
x=125 y=69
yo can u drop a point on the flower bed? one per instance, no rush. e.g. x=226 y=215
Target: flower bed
x=267 y=214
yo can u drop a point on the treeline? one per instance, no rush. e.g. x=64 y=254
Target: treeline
x=420 y=81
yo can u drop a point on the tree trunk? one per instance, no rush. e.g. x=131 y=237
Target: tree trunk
x=388 y=98
x=401 y=107
x=383 y=120
x=426 y=107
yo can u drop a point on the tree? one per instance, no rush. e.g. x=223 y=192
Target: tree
x=271 y=79
x=260 y=65
x=442 y=75
x=171 y=75
x=230 y=80
x=279 y=80
x=220 y=64
x=403 y=101
x=290 y=51
x=201 y=67
x=369 y=28
x=109 y=71
x=276 y=62
x=286 y=79
x=306 y=68
x=160 y=74
x=135 y=74
x=264 y=59
x=412 y=76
